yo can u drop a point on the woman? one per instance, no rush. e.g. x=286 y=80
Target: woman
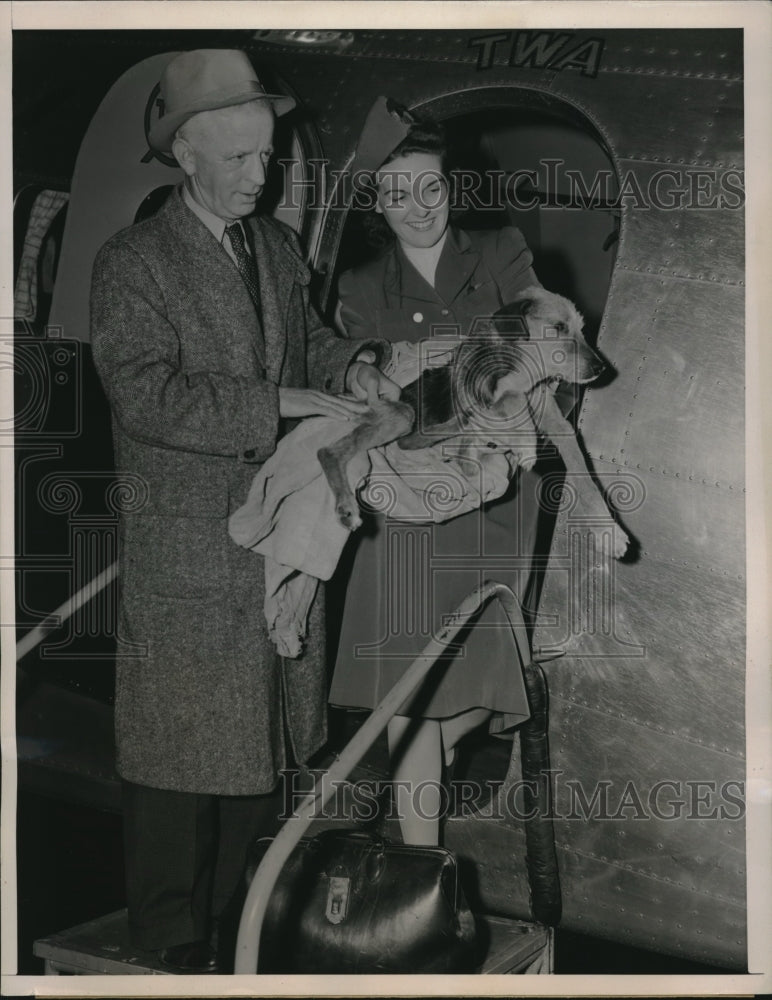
x=431 y=277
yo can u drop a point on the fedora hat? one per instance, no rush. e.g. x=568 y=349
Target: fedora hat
x=204 y=80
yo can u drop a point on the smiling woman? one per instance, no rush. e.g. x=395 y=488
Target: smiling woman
x=413 y=198
x=431 y=276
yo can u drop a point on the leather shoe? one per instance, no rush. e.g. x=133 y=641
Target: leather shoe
x=192 y=958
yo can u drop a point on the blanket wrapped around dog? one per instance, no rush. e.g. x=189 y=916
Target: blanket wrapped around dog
x=289 y=516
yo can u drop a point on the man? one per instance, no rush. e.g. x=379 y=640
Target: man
x=204 y=339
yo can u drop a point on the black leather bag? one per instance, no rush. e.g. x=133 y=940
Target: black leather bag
x=349 y=902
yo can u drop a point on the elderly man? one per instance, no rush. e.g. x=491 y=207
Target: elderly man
x=204 y=339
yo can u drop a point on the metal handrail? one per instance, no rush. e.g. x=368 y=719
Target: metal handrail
x=57 y=618
x=264 y=880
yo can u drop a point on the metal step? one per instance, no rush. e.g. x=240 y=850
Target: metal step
x=101 y=947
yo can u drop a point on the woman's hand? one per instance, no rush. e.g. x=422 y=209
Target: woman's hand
x=366 y=382
x=311 y=403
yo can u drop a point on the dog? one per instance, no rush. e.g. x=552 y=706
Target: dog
x=496 y=391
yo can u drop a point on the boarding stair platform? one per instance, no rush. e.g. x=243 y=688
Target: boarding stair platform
x=101 y=948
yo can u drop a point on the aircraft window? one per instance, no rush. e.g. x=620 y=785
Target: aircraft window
x=38 y=255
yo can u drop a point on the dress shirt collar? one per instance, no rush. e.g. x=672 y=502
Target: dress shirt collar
x=213 y=223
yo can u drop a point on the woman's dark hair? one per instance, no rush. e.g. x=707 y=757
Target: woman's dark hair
x=425 y=136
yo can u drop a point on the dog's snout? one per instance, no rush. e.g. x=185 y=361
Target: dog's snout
x=599 y=363
x=588 y=364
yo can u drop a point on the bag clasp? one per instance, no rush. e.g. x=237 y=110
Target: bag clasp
x=337 y=899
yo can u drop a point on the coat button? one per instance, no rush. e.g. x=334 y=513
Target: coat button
x=250 y=454
x=418 y=317
x=328 y=382
x=446 y=312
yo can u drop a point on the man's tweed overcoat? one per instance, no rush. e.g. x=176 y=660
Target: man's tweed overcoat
x=191 y=373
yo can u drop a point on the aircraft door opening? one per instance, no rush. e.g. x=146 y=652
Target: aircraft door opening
x=551 y=178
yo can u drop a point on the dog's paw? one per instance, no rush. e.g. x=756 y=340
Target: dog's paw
x=612 y=539
x=348 y=514
x=621 y=542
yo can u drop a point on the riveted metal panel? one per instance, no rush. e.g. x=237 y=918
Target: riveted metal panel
x=642 y=840
x=676 y=404
x=696 y=525
x=664 y=644
x=459 y=51
x=691 y=79
x=452 y=47
x=681 y=121
x=706 y=54
x=685 y=700
x=501 y=884
x=656 y=913
x=649 y=829
x=327 y=85
x=682 y=222
x=671 y=427
x=636 y=895
x=692 y=53
x=666 y=439
x=641 y=781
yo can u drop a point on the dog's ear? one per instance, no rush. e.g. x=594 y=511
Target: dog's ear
x=525 y=303
x=510 y=322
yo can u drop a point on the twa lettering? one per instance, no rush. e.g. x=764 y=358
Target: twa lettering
x=540 y=50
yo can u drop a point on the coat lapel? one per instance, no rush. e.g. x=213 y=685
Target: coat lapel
x=456 y=266
x=455 y=273
x=411 y=284
x=210 y=263
x=275 y=287
x=392 y=279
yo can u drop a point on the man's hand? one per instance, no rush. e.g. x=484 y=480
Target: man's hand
x=365 y=381
x=310 y=403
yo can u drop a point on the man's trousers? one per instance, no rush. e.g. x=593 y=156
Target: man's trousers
x=185 y=856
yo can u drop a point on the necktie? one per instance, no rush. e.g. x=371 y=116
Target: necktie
x=245 y=261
